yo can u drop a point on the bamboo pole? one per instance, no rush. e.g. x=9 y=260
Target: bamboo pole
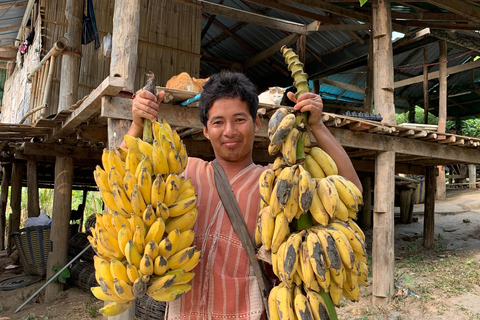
x=44 y=81
x=48 y=86
x=7 y=172
x=57 y=48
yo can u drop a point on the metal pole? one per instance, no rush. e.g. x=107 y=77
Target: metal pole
x=53 y=278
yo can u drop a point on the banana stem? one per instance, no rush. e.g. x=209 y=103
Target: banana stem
x=332 y=312
x=300 y=151
x=147 y=124
x=303 y=222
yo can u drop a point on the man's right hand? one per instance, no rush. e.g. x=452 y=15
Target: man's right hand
x=145 y=106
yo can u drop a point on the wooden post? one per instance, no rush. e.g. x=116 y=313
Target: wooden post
x=425 y=84
x=383 y=60
x=316 y=86
x=429 y=214
x=126 y=21
x=62 y=204
x=7 y=173
x=442 y=114
x=71 y=60
x=366 y=219
x=368 y=102
x=33 y=205
x=301 y=46
x=383 y=258
x=383 y=217
x=472 y=176
x=15 y=201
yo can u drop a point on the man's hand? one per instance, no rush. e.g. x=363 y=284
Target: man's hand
x=145 y=106
x=309 y=102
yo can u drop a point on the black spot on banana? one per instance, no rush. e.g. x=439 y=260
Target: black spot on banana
x=275 y=120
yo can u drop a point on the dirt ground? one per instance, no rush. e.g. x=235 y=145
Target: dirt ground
x=442 y=283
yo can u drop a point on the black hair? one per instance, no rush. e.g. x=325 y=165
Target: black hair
x=227 y=85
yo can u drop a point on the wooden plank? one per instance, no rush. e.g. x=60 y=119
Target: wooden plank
x=33 y=204
x=429 y=210
x=472 y=176
x=442 y=104
x=287 y=41
x=359 y=126
x=462 y=8
x=62 y=206
x=7 y=173
x=47 y=149
x=425 y=84
x=366 y=216
x=343 y=85
x=383 y=228
x=16 y=195
x=26 y=17
x=435 y=74
x=13 y=5
x=448 y=140
x=253 y=18
x=90 y=106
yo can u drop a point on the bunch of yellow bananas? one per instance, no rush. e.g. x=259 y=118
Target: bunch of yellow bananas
x=143 y=240
x=306 y=222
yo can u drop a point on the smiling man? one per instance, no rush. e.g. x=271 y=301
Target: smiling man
x=224 y=285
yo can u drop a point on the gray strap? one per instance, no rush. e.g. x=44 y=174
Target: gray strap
x=239 y=225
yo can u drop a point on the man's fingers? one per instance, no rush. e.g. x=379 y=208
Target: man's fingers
x=291 y=96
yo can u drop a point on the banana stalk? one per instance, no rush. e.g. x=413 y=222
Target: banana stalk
x=147 y=124
x=332 y=312
x=303 y=222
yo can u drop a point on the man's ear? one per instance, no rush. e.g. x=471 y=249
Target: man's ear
x=257 y=124
x=205 y=132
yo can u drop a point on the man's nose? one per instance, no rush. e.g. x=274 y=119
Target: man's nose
x=229 y=128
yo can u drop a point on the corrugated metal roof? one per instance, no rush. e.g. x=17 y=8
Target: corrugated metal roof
x=10 y=16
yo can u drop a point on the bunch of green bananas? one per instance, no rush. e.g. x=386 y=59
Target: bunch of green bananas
x=306 y=222
x=143 y=240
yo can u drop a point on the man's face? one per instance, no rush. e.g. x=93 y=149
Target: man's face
x=231 y=129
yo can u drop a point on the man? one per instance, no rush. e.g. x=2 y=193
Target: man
x=224 y=285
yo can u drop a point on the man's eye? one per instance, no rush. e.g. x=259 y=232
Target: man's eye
x=216 y=123
x=240 y=120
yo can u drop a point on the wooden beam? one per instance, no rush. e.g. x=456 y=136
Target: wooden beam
x=462 y=8
x=13 y=5
x=90 y=106
x=16 y=195
x=462 y=40
x=425 y=84
x=253 y=18
x=287 y=41
x=33 y=203
x=435 y=74
x=7 y=173
x=209 y=23
x=26 y=17
x=428 y=16
x=47 y=149
x=343 y=85
x=429 y=209
x=70 y=69
x=5 y=29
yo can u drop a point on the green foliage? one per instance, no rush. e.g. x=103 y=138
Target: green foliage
x=403 y=117
x=362 y=2
x=63 y=276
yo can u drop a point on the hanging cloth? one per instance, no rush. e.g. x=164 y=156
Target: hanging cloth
x=89 y=29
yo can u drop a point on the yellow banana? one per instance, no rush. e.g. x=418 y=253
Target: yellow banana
x=159 y=158
x=101 y=178
x=152 y=249
x=324 y=282
x=106 y=160
x=345 y=192
x=302 y=307
x=355 y=227
x=332 y=257
x=289 y=148
x=351 y=279
x=132 y=273
x=139 y=239
x=280 y=232
x=316 y=255
x=324 y=160
x=355 y=189
x=131 y=142
x=99 y=294
x=328 y=195
x=128 y=181
x=174 y=160
x=274 y=204
x=185 y=193
x=131 y=161
x=146 y=265
x=156 y=231
x=123 y=289
x=265 y=185
x=318 y=211
x=115 y=308
x=107 y=218
x=149 y=216
x=104 y=269
x=183 y=222
x=343 y=246
x=278 y=269
x=136 y=221
x=114 y=176
x=171 y=189
x=362 y=273
x=121 y=199
x=167 y=129
x=187 y=277
x=177 y=260
x=342 y=212
x=165 y=247
x=181 y=207
x=116 y=161
x=137 y=202
x=284 y=185
x=278 y=137
x=144 y=147
x=307 y=274
x=357 y=244
x=335 y=293
x=110 y=243
x=132 y=254
x=168 y=294
x=145 y=185
x=158 y=191
x=119 y=271
x=306 y=189
x=147 y=163
x=272 y=304
x=291 y=209
x=118 y=220
x=140 y=286
x=160 y=265
x=182 y=152
x=164 y=282
x=109 y=200
x=291 y=255
x=318 y=306
x=267 y=226
x=185 y=240
x=162 y=211
x=313 y=167
x=279 y=163
x=284 y=303
x=275 y=120
x=174 y=237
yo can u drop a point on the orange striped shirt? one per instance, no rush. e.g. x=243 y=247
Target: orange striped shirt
x=224 y=286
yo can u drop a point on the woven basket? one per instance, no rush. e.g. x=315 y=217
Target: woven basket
x=90 y=223
x=149 y=309
x=82 y=275
x=33 y=245
x=76 y=244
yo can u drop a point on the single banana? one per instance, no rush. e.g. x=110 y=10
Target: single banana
x=131 y=161
x=343 y=246
x=185 y=193
x=145 y=162
x=306 y=189
x=174 y=237
x=291 y=255
x=135 y=221
x=146 y=265
x=160 y=160
x=284 y=303
x=145 y=185
x=324 y=160
x=362 y=273
x=267 y=226
x=114 y=176
x=132 y=254
x=165 y=247
x=302 y=307
x=171 y=189
x=345 y=192
x=115 y=308
x=182 y=152
x=335 y=293
x=131 y=142
x=284 y=127
x=266 y=184
x=132 y=273
x=355 y=227
x=140 y=286
x=319 y=214
x=318 y=306
x=128 y=181
x=152 y=249
x=186 y=239
x=279 y=163
x=123 y=289
x=168 y=294
x=313 y=167
x=274 y=204
x=144 y=147
x=162 y=211
x=106 y=160
x=109 y=200
x=116 y=161
x=183 y=222
x=316 y=255
x=121 y=199
x=280 y=233
x=149 y=216
x=272 y=304
x=342 y=212
x=99 y=294
x=137 y=202
x=332 y=257
x=192 y=263
x=284 y=185
x=103 y=268
x=179 y=208
x=356 y=242
x=101 y=178
x=118 y=220
x=160 y=265
x=119 y=271
x=156 y=231
x=187 y=277
x=307 y=274
x=174 y=160
x=164 y=282
x=158 y=190
x=291 y=209
x=289 y=148
x=328 y=195
x=177 y=260
x=139 y=239
x=275 y=120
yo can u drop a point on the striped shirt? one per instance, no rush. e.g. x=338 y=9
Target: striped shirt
x=224 y=286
